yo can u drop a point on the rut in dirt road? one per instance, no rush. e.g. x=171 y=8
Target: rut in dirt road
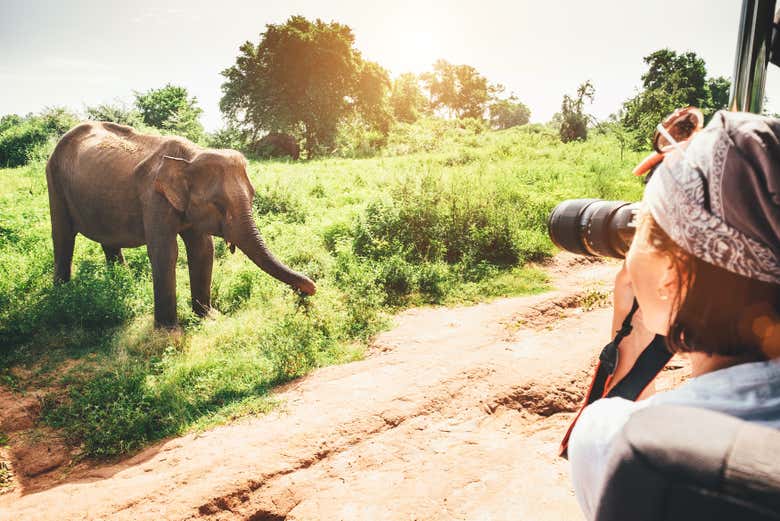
x=457 y=415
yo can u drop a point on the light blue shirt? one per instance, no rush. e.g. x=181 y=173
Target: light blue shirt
x=749 y=391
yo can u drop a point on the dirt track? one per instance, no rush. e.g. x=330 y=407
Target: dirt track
x=456 y=414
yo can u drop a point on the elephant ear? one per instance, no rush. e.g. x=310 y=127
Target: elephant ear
x=171 y=182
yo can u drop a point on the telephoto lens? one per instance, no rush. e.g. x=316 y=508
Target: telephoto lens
x=593 y=227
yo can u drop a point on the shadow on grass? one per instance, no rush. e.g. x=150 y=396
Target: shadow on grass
x=41 y=320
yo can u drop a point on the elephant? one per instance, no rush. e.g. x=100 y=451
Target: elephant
x=277 y=145
x=124 y=189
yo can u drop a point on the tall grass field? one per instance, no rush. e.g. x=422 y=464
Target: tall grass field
x=448 y=213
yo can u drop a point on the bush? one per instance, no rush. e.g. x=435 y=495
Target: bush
x=98 y=297
x=356 y=138
x=428 y=134
x=111 y=413
x=336 y=233
x=397 y=278
x=431 y=280
x=279 y=201
x=429 y=221
x=19 y=144
x=25 y=139
x=116 y=113
x=227 y=137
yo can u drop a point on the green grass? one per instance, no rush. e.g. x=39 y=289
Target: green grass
x=447 y=214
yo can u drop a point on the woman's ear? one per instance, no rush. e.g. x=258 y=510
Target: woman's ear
x=668 y=285
x=171 y=182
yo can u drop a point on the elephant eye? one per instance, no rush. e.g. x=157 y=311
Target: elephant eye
x=220 y=208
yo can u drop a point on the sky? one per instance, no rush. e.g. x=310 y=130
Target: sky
x=86 y=52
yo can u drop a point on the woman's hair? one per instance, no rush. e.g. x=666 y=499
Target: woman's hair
x=717 y=311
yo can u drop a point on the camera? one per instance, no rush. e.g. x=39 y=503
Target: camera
x=605 y=228
x=593 y=227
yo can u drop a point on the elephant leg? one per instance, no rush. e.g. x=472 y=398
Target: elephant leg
x=200 y=260
x=64 y=237
x=163 y=252
x=113 y=255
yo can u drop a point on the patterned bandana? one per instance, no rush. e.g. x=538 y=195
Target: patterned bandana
x=719 y=197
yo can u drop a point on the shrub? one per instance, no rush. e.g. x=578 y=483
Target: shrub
x=228 y=137
x=336 y=233
x=429 y=221
x=432 y=280
x=356 y=138
x=19 y=144
x=397 y=278
x=116 y=113
x=111 y=413
x=363 y=295
x=25 y=139
x=278 y=200
x=98 y=297
x=171 y=109
x=428 y=134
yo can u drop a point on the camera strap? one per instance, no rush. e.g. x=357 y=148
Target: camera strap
x=647 y=366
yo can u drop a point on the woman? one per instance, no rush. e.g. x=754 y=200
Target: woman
x=704 y=268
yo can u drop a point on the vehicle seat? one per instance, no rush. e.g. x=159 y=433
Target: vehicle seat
x=683 y=463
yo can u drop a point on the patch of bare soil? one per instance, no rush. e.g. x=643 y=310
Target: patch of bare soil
x=27 y=451
x=457 y=415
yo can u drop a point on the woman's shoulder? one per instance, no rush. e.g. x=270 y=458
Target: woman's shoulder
x=598 y=424
x=590 y=443
x=750 y=391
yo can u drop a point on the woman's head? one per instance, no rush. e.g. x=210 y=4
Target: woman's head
x=705 y=262
x=699 y=306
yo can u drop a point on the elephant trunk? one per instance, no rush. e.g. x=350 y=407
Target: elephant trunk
x=251 y=243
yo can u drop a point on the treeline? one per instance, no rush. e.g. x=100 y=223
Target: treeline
x=307 y=86
x=169 y=110
x=306 y=79
x=672 y=81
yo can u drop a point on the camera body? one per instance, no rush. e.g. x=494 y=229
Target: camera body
x=593 y=227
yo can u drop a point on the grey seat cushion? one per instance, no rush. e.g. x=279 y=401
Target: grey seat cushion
x=672 y=462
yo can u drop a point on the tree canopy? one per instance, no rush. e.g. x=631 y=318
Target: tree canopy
x=460 y=89
x=171 y=108
x=672 y=81
x=407 y=100
x=510 y=112
x=303 y=78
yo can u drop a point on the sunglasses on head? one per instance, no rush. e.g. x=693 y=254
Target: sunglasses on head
x=675 y=129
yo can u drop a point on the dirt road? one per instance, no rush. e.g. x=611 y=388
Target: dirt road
x=456 y=414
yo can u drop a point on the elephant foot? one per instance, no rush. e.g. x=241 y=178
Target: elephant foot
x=174 y=330
x=166 y=324
x=208 y=313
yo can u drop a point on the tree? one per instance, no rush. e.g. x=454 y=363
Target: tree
x=508 y=113
x=407 y=100
x=372 y=97
x=672 y=81
x=171 y=109
x=303 y=78
x=574 y=121
x=460 y=89
x=614 y=126
x=720 y=90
